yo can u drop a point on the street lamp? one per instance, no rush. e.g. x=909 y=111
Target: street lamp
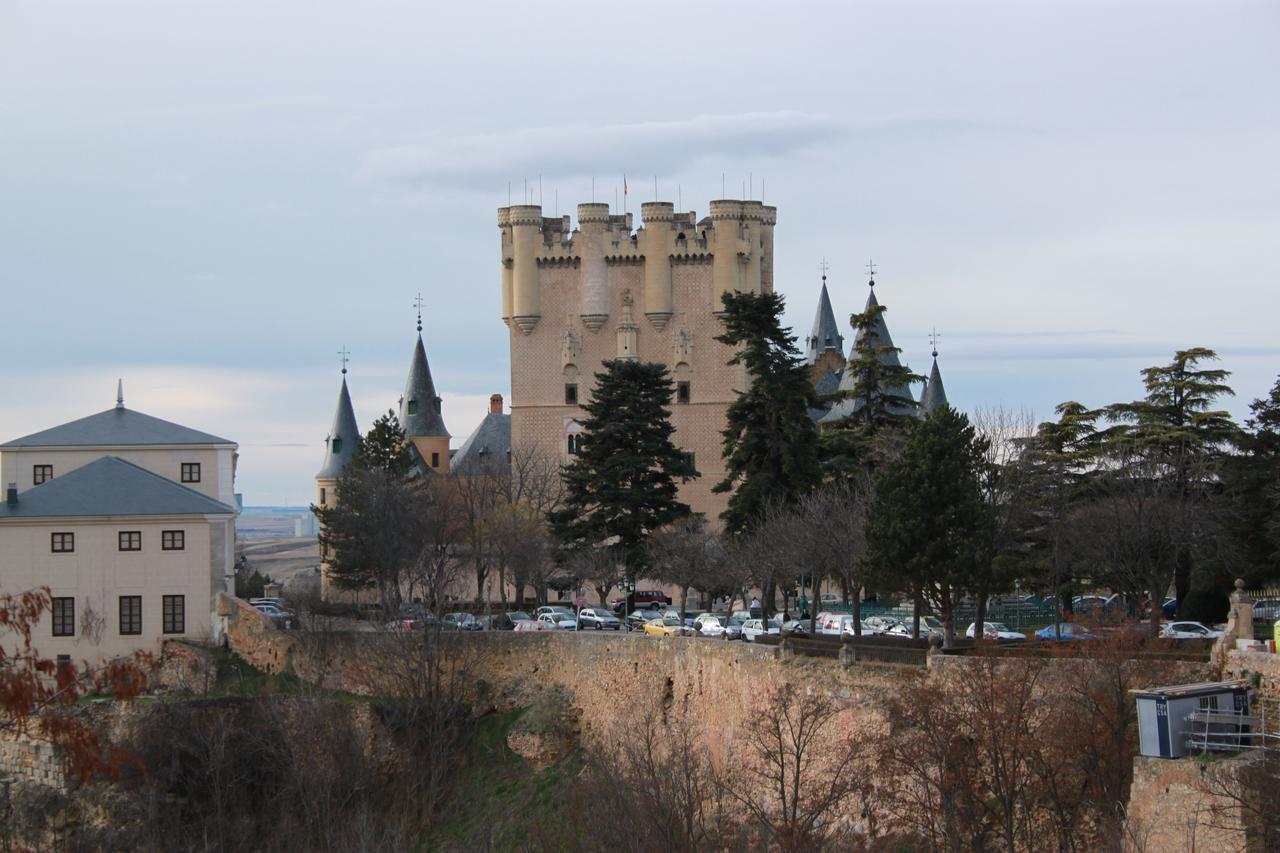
x=628 y=587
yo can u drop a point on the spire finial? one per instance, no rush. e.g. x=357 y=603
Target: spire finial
x=119 y=393
x=824 y=267
x=871 y=273
x=934 y=337
x=345 y=356
x=418 y=304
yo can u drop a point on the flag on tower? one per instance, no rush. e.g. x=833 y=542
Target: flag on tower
x=624 y=183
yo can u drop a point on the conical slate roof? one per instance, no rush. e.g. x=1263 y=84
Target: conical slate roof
x=934 y=395
x=420 y=407
x=342 y=438
x=826 y=332
x=848 y=380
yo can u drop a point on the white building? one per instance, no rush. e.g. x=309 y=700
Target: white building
x=130 y=522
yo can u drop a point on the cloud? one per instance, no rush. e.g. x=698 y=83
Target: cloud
x=664 y=147
x=227 y=108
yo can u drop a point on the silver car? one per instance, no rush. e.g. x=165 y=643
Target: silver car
x=714 y=625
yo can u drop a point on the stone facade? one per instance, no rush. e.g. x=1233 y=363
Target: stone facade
x=575 y=299
x=1172 y=808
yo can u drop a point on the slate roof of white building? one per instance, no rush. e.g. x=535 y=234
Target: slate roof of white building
x=117 y=427
x=111 y=486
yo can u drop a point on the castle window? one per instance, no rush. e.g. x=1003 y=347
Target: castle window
x=62 y=543
x=322 y=494
x=130 y=615
x=40 y=473
x=173 y=540
x=682 y=392
x=571 y=394
x=191 y=470
x=337 y=445
x=574 y=443
x=130 y=540
x=689 y=457
x=435 y=460
x=413 y=407
x=64 y=617
x=175 y=614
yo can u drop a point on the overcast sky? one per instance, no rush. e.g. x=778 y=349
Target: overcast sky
x=208 y=199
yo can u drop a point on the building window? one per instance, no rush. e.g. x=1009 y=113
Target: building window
x=130 y=540
x=435 y=460
x=682 y=392
x=40 y=473
x=413 y=407
x=688 y=457
x=322 y=496
x=173 y=540
x=130 y=614
x=175 y=614
x=63 y=543
x=337 y=445
x=571 y=394
x=64 y=617
x=191 y=470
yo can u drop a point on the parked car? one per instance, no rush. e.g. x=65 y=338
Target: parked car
x=718 y=625
x=562 y=621
x=830 y=599
x=1066 y=631
x=930 y=626
x=273 y=601
x=689 y=617
x=753 y=628
x=667 y=626
x=996 y=631
x=534 y=625
x=1170 y=609
x=798 y=627
x=461 y=622
x=642 y=599
x=879 y=624
x=406 y=626
x=1094 y=603
x=507 y=621
x=636 y=620
x=553 y=608
x=599 y=618
x=279 y=618
x=833 y=623
x=1264 y=608
x=1189 y=631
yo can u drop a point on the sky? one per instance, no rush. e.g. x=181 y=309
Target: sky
x=210 y=199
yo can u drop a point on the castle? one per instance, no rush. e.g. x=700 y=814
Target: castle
x=574 y=299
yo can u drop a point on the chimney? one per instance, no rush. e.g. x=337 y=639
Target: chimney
x=495 y=404
x=11 y=496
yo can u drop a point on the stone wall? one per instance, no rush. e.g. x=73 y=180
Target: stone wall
x=1171 y=807
x=32 y=762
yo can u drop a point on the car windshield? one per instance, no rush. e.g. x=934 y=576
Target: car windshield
x=736 y=622
x=670 y=620
x=997 y=626
x=518 y=616
x=719 y=620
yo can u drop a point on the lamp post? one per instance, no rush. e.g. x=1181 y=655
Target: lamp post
x=627 y=586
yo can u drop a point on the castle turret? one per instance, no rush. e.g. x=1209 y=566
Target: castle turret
x=420 y=412
x=591 y=244
x=508 y=263
x=825 y=336
x=742 y=247
x=657 y=242
x=524 y=223
x=339 y=445
x=934 y=395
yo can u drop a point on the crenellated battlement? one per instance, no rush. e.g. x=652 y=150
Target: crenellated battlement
x=736 y=237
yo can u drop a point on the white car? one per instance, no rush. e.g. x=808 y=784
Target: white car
x=834 y=623
x=1189 y=631
x=562 y=621
x=995 y=631
x=524 y=625
x=830 y=599
x=553 y=608
x=724 y=627
x=753 y=628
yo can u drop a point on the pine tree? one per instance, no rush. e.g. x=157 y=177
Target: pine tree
x=622 y=483
x=1176 y=427
x=928 y=524
x=1251 y=481
x=384 y=447
x=770 y=444
x=884 y=407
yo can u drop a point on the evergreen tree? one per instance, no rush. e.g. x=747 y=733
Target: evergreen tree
x=384 y=447
x=1252 y=484
x=1177 y=428
x=881 y=396
x=928 y=524
x=622 y=483
x=770 y=444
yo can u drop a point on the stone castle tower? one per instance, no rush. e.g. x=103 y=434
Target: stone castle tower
x=573 y=299
x=339 y=445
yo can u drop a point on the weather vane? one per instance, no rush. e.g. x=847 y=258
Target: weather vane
x=871 y=273
x=934 y=337
x=418 y=304
x=824 y=267
x=345 y=356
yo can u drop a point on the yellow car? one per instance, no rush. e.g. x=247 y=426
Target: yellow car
x=667 y=626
